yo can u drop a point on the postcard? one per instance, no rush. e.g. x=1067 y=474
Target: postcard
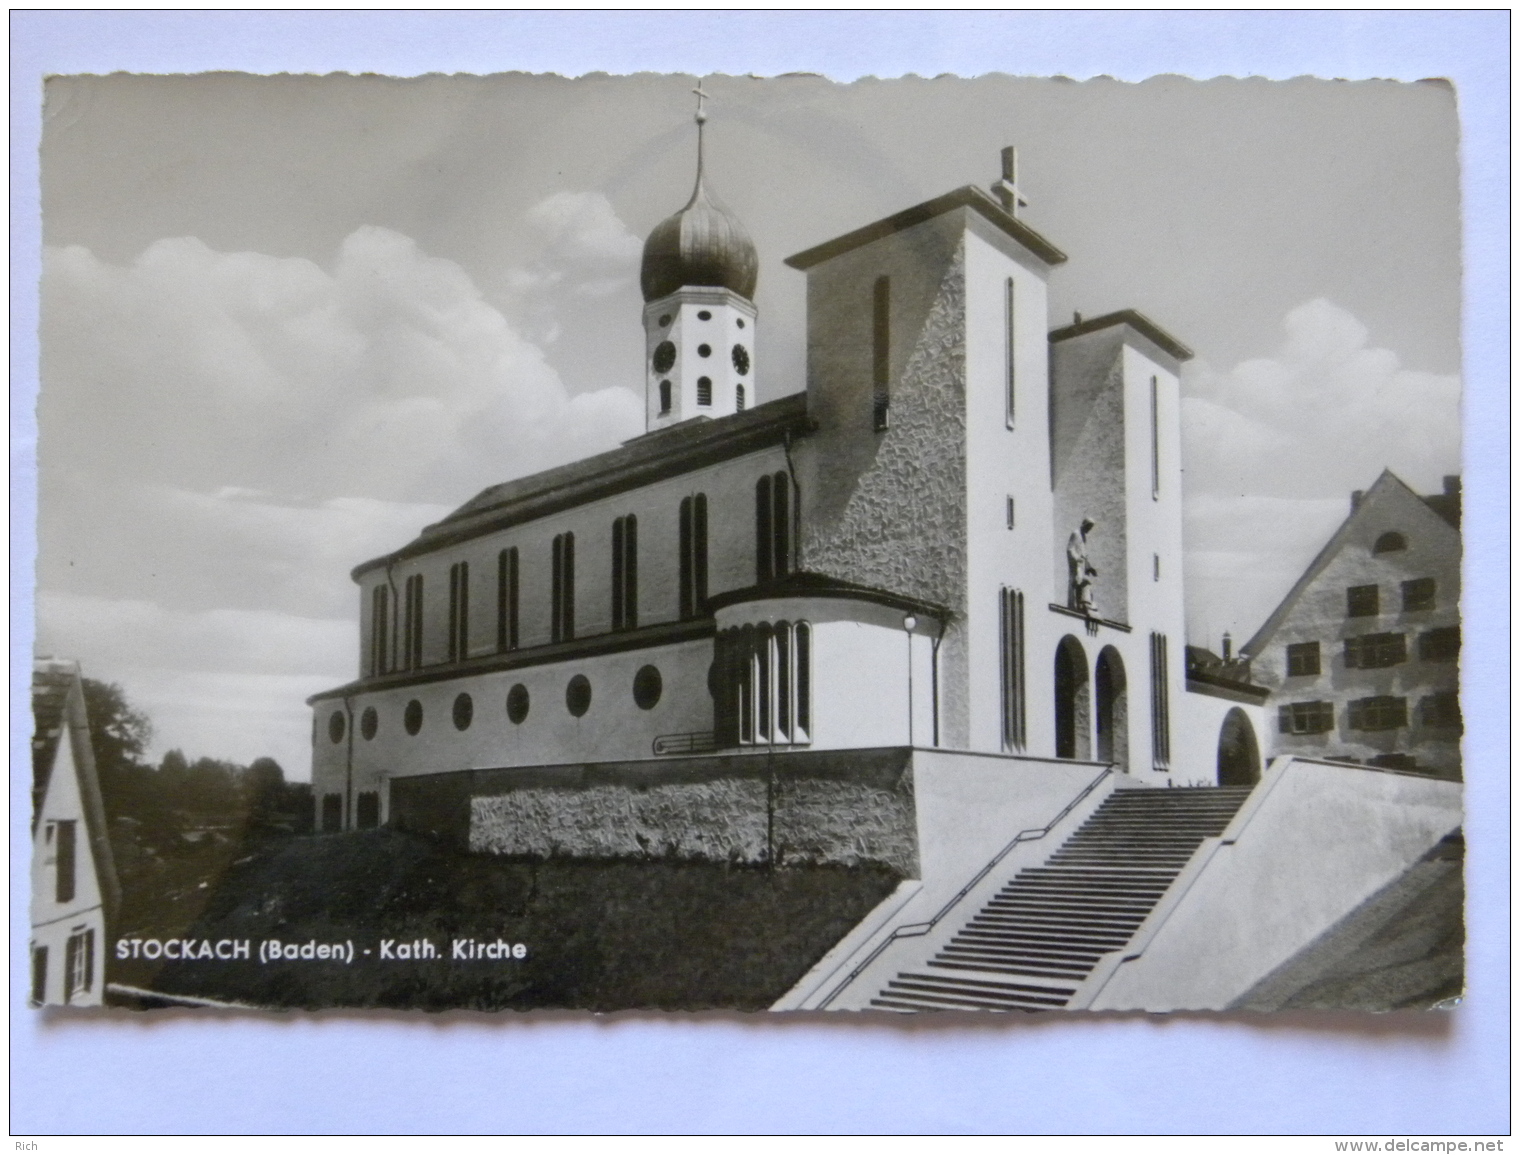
x=657 y=542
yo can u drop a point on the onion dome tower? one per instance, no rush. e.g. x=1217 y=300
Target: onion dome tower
x=698 y=278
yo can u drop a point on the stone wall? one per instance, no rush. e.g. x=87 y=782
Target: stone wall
x=827 y=807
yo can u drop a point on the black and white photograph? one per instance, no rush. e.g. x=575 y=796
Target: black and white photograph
x=676 y=542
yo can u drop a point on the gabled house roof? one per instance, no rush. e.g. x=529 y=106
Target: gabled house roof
x=1388 y=487
x=59 y=715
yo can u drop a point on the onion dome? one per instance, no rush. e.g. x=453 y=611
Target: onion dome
x=703 y=244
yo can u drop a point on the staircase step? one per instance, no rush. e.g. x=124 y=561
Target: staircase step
x=1056 y=921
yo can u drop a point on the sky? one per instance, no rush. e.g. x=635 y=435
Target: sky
x=288 y=321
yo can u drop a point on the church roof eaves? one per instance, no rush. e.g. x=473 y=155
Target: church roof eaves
x=1135 y=320
x=967 y=196
x=814 y=585
x=640 y=461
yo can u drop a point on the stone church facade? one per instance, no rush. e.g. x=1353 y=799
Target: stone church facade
x=738 y=635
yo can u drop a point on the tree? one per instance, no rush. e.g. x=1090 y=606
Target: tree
x=119 y=734
x=264 y=784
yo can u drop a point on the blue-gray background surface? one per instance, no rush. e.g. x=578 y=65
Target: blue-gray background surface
x=548 y=1073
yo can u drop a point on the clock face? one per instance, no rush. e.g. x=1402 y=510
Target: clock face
x=741 y=359
x=664 y=356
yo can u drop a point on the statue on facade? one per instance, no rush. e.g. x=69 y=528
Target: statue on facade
x=1080 y=571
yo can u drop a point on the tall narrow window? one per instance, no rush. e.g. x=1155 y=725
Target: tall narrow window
x=1155 y=439
x=781 y=496
x=379 y=629
x=65 y=859
x=562 y=607
x=765 y=568
x=881 y=352
x=412 y=633
x=625 y=573
x=704 y=391
x=1011 y=615
x=739 y=398
x=1161 y=709
x=693 y=556
x=774 y=519
x=803 y=636
x=762 y=683
x=1008 y=350
x=459 y=611
x=39 y=975
x=507 y=600
x=1010 y=512
x=664 y=397
x=79 y=964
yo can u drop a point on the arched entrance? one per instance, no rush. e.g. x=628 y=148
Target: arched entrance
x=1113 y=709
x=1073 y=701
x=1239 y=758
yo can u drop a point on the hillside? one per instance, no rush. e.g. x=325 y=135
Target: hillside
x=597 y=935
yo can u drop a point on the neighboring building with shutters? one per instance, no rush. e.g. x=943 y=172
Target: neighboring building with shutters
x=963 y=533
x=74 y=886
x=1362 y=655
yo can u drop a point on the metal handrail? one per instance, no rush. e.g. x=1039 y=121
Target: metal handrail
x=693 y=742
x=918 y=929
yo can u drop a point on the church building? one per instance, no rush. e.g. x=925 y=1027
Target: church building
x=748 y=633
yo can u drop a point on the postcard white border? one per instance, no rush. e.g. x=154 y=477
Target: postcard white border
x=719 y=1073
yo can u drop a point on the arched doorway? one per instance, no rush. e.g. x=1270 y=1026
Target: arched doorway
x=1113 y=709
x=1073 y=701
x=1239 y=758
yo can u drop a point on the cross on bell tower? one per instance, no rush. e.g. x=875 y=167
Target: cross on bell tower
x=1007 y=189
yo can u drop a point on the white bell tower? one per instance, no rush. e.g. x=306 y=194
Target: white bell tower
x=698 y=277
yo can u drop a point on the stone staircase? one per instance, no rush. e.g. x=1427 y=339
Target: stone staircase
x=1033 y=944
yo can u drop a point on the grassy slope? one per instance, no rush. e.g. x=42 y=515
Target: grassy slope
x=600 y=935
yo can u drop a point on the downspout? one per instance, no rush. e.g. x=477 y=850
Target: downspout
x=791 y=471
x=348 y=774
x=934 y=674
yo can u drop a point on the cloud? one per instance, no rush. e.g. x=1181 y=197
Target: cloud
x=580 y=249
x=231 y=683
x=227 y=434
x=1273 y=448
x=390 y=377
x=1322 y=417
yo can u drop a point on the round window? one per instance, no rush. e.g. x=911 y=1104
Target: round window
x=740 y=322
x=517 y=703
x=413 y=716
x=741 y=359
x=704 y=350
x=336 y=726
x=664 y=356
x=664 y=319
x=464 y=712
x=369 y=723
x=647 y=685
x=578 y=695
x=704 y=315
